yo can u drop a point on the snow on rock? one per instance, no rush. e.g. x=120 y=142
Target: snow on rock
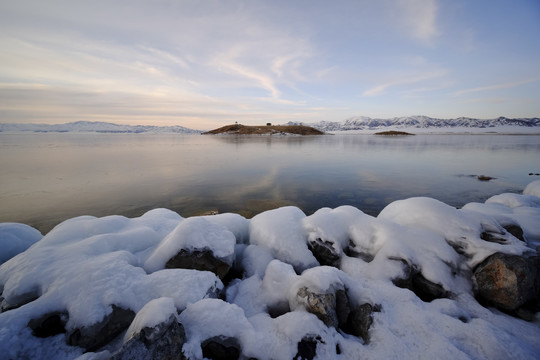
x=515 y=200
x=155 y=312
x=255 y=259
x=211 y=318
x=328 y=232
x=235 y=223
x=195 y=234
x=398 y=250
x=515 y=209
x=83 y=267
x=533 y=189
x=462 y=229
x=332 y=224
x=403 y=284
x=281 y=232
x=16 y=238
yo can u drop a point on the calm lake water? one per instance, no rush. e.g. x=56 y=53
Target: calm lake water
x=47 y=178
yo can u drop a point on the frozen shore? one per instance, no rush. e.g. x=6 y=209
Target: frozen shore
x=419 y=281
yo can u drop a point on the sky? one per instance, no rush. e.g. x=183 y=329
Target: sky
x=204 y=64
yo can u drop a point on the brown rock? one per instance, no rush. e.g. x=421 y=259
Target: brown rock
x=506 y=281
x=321 y=305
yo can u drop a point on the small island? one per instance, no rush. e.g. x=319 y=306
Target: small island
x=238 y=129
x=393 y=133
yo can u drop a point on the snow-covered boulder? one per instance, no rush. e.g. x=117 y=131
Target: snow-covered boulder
x=92 y=337
x=328 y=232
x=511 y=211
x=155 y=333
x=532 y=188
x=16 y=238
x=213 y=319
x=196 y=243
x=462 y=229
x=87 y=277
x=281 y=232
x=321 y=291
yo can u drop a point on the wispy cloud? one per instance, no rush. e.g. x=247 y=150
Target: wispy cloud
x=404 y=80
x=495 y=87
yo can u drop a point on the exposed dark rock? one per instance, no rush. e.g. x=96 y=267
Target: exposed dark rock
x=235 y=272
x=508 y=281
x=515 y=230
x=360 y=320
x=427 y=290
x=492 y=237
x=95 y=336
x=324 y=252
x=321 y=305
x=352 y=251
x=413 y=280
x=49 y=324
x=277 y=311
x=343 y=309
x=307 y=347
x=221 y=348
x=484 y=178
x=163 y=342
x=198 y=260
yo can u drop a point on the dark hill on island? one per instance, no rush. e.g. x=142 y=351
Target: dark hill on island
x=238 y=129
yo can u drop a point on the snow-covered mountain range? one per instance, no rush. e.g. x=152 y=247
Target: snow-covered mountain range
x=100 y=127
x=420 y=122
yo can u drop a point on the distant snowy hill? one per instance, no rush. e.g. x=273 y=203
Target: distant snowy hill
x=420 y=122
x=100 y=127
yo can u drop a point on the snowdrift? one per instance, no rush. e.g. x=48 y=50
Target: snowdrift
x=422 y=280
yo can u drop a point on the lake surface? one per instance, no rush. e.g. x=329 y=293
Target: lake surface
x=47 y=178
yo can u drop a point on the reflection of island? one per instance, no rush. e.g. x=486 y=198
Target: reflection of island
x=268 y=129
x=393 y=133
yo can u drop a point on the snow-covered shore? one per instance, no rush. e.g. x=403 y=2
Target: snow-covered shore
x=335 y=284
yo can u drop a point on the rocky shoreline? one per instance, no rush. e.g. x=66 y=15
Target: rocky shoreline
x=421 y=280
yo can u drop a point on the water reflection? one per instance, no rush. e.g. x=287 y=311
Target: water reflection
x=46 y=178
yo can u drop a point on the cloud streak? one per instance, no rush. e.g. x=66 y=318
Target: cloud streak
x=495 y=87
x=404 y=80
